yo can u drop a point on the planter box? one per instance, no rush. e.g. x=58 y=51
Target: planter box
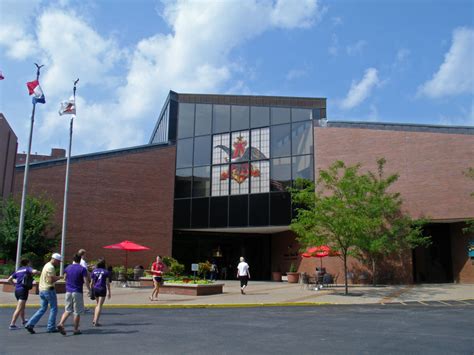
x=276 y=276
x=60 y=287
x=293 y=277
x=185 y=289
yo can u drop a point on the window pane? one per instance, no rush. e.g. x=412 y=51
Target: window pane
x=238 y=211
x=259 y=208
x=303 y=167
x=280 y=141
x=260 y=175
x=199 y=212
x=221 y=117
x=203 y=119
x=301 y=114
x=280 y=208
x=202 y=150
x=260 y=144
x=182 y=213
x=239 y=179
x=240 y=117
x=302 y=138
x=185 y=120
x=202 y=181
x=259 y=116
x=240 y=145
x=220 y=180
x=184 y=154
x=221 y=149
x=183 y=183
x=280 y=174
x=280 y=115
x=218 y=213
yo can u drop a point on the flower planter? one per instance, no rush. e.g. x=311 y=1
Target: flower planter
x=60 y=287
x=293 y=277
x=276 y=276
x=187 y=289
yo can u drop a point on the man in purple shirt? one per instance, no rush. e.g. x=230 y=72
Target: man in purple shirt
x=21 y=290
x=76 y=276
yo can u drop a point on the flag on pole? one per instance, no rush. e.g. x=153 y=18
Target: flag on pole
x=68 y=107
x=34 y=89
x=1 y=76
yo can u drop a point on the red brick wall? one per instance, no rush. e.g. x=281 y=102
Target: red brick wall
x=116 y=197
x=8 y=147
x=431 y=180
x=463 y=266
x=430 y=165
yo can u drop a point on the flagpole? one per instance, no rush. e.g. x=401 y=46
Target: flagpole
x=25 y=181
x=66 y=186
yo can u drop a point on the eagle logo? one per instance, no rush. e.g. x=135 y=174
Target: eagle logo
x=240 y=168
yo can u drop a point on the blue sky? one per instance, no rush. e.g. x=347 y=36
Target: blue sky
x=385 y=61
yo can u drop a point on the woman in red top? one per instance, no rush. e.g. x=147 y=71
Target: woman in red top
x=157 y=269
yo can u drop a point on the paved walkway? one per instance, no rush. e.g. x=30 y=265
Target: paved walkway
x=260 y=293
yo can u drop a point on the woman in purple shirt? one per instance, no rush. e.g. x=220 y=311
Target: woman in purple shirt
x=100 y=284
x=21 y=291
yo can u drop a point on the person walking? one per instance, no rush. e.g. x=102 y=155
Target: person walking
x=47 y=295
x=100 y=284
x=157 y=269
x=82 y=254
x=76 y=276
x=243 y=274
x=24 y=282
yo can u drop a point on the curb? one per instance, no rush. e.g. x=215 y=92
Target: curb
x=177 y=306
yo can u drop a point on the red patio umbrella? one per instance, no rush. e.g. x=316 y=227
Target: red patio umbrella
x=319 y=252
x=127 y=246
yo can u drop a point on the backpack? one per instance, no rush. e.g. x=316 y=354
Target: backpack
x=27 y=281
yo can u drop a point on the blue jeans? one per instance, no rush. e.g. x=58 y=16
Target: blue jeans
x=47 y=297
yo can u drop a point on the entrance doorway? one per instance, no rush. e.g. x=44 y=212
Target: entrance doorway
x=433 y=264
x=225 y=249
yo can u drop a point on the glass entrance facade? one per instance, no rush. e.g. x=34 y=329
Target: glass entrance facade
x=235 y=161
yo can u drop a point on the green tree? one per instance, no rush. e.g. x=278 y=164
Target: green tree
x=40 y=233
x=388 y=229
x=355 y=214
x=332 y=213
x=470 y=224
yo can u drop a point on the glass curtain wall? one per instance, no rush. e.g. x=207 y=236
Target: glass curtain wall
x=234 y=163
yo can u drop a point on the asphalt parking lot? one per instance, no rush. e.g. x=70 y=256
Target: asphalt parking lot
x=334 y=329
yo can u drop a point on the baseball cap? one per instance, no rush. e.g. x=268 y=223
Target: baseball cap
x=57 y=256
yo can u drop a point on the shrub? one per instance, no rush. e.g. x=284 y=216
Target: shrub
x=176 y=268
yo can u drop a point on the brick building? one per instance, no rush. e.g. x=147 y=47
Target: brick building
x=211 y=184
x=8 y=147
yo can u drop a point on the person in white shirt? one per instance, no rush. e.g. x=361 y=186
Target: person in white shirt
x=82 y=254
x=243 y=274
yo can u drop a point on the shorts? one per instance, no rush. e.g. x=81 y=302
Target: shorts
x=100 y=292
x=158 y=279
x=21 y=294
x=74 y=303
x=243 y=280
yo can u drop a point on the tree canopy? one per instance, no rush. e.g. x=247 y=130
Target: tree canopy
x=40 y=233
x=353 y=213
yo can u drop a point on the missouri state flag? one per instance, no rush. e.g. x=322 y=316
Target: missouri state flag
x=67 y=107
x=34 y=89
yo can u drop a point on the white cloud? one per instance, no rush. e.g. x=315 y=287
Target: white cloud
x=456 y=75
x=295 y=74
x=356 y=48
x=16 y=24
x=74 y=51
x=194 y=57
x=402 y=54
x=337 y=21
x=361 y=90
x=334 y=47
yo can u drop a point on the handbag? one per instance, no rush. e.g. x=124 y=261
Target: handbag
x=92 y=294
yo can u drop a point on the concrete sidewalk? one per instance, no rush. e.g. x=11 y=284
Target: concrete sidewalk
x=260 y=293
